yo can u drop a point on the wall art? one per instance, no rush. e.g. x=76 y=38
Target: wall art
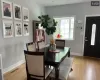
x=6 y=9
x=25 y=14
x=26 y=29
x=17 y=12
x=18 y=28
x=7 y=29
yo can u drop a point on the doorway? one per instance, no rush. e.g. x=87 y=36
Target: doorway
x=92 y=37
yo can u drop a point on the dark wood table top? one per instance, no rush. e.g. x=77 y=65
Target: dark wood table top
x=54 y=58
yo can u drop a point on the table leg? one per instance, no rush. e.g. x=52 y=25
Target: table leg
x=71 y=70
x=69 y=53
x=57 y=73
x=69 y=56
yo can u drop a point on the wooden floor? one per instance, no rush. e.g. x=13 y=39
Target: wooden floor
x=85 y=68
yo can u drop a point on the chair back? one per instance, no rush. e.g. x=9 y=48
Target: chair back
x=40 y=44
x=35 y=64
x=31 y=46
x=60 y=43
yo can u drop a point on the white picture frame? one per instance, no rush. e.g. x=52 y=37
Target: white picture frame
x=1 y=68
x=6 y=9
x=8 y=29
x=25 y=14
x=26 y=29
x=17 y=11
x=18 y=29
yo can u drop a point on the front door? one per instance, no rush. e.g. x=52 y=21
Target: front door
x=92 y=37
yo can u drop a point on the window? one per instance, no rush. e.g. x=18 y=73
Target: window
x=64 y=28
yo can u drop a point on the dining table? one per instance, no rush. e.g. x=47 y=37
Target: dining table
x=55 y=58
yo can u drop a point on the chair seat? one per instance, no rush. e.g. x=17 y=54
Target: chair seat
x=65 y=68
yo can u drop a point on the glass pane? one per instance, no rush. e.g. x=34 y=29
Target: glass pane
x=93 y=34
x=72 y=22
x=65 y=23
x=71 y=34
x=62 y=31
x=66 y=35
x=66 y=30
x=72 y=25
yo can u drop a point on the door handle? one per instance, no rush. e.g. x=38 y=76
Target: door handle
x=86 y=40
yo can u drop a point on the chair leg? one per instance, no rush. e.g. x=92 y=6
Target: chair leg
x=28 y=78
x=71 y=70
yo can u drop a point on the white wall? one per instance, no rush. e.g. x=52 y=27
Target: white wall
x=12 y=49
x=79 y=10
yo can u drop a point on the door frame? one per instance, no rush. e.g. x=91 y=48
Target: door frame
x=85 y=28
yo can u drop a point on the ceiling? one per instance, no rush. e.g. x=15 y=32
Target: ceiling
x=59 y=2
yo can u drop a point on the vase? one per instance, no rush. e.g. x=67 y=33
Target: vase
x=52 y=46
x=51 y=39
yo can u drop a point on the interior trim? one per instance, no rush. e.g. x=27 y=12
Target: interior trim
x=13 y=66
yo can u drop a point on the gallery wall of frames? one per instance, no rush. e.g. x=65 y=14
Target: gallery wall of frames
x=15 y=19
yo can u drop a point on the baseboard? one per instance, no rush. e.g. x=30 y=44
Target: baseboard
x=13 y=66
x=76 y=54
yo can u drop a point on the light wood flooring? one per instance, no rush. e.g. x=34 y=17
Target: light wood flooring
x=84 y=68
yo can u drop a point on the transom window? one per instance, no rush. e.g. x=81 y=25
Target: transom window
x=64 y=28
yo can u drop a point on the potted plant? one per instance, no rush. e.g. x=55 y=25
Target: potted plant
x=49 y=24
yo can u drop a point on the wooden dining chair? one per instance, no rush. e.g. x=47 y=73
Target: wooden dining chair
x=35 y=66
x=40 y=44
x=60 y=43
x=64 y=69
x=31 y=46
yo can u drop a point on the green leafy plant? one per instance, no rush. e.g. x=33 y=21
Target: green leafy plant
x=48 y=23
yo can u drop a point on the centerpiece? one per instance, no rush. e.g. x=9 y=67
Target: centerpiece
x=49 y=24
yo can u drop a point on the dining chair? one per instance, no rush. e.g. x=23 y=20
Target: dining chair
x=35 y=66
x=40 y=44
x=31 y=46
x=64 y=69
x=60 y=43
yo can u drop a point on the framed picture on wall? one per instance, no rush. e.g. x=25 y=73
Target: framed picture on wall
x=17 y=12
x=25 y=14
x=40 y=35
x=7 y=29
x=18 y=28
x=26 y=29
x=6 y=9
x=1 y=68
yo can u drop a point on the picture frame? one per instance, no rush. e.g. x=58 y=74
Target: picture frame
x=40 y=35
x=26 y=29
x=18 y=29
x=25 y=14
x=1 y=68
x=17 y=12
x=7 y=29
x=6 y=9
